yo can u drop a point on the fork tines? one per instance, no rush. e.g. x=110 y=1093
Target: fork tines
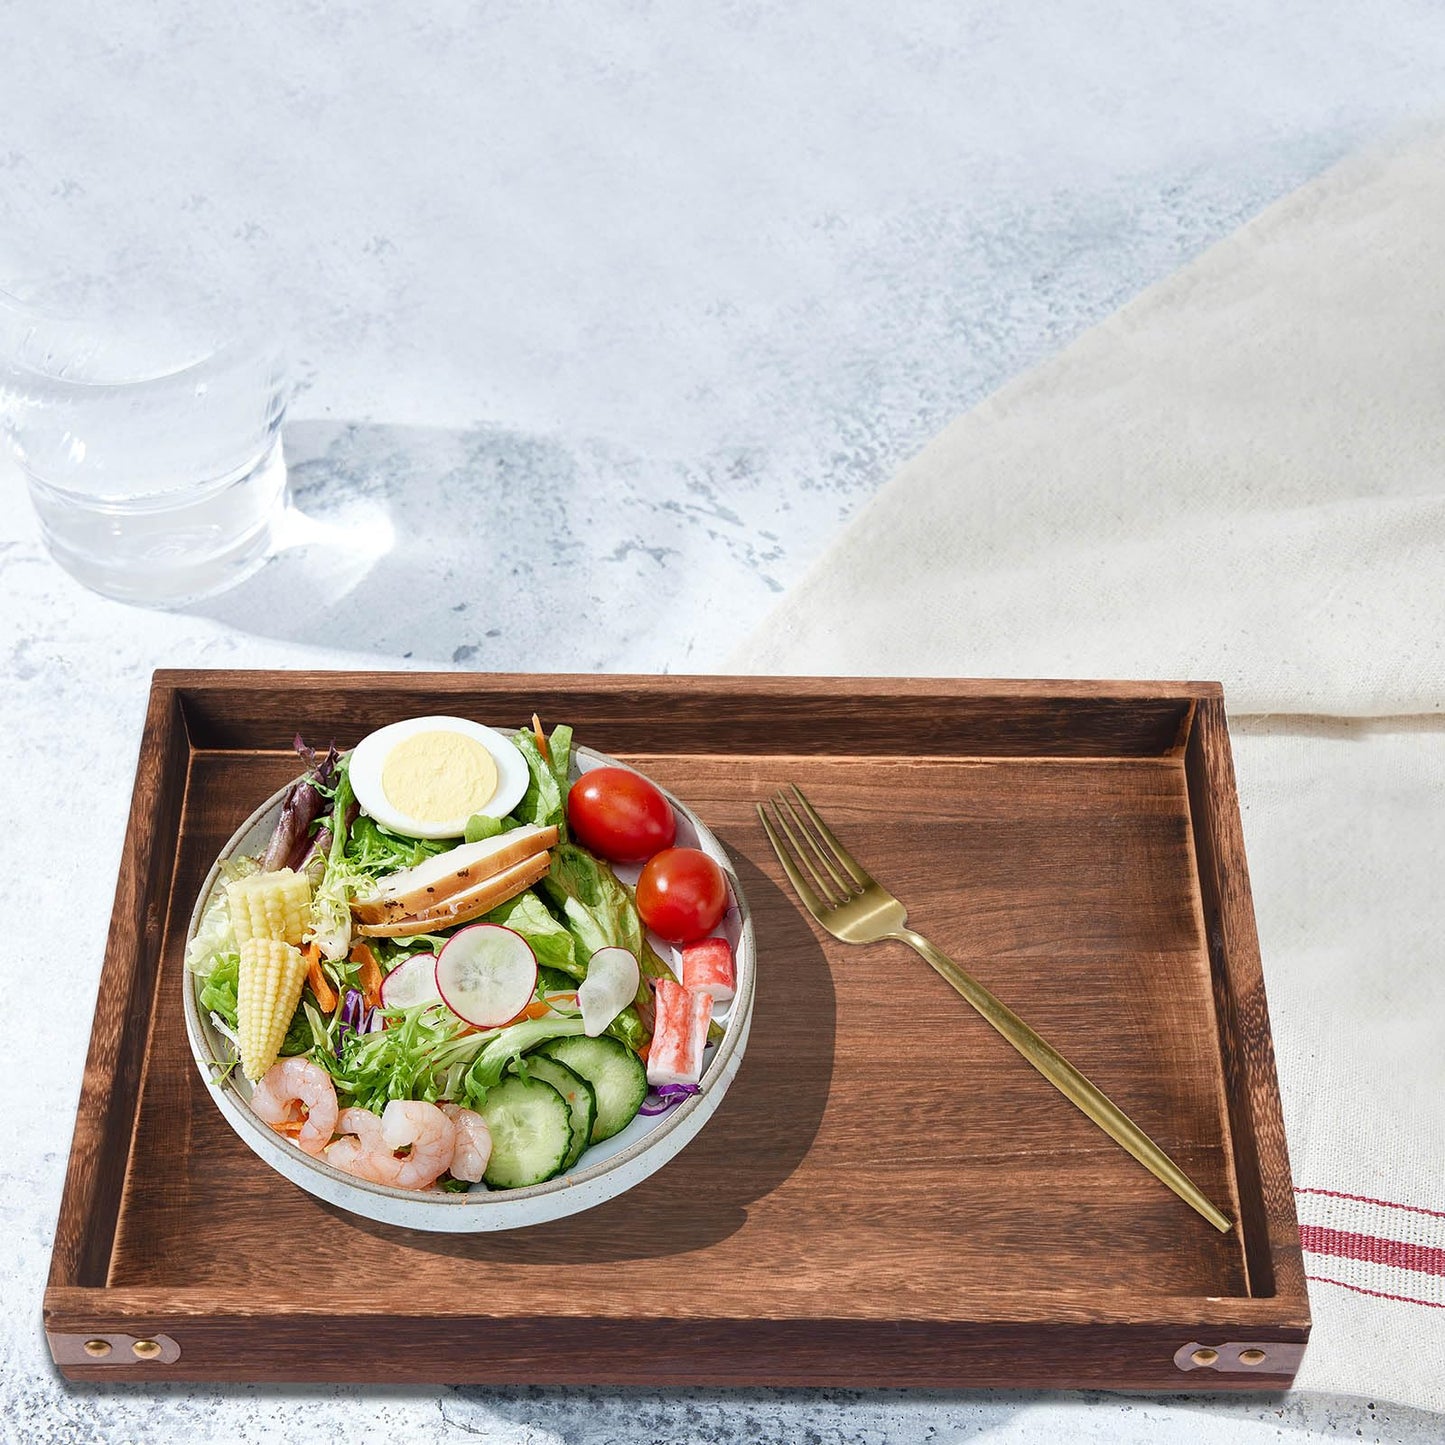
x=812 y=844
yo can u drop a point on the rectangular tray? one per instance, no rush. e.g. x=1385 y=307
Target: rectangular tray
x=889 y=1195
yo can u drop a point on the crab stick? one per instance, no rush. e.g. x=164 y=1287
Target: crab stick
x=679 y=1036
x=707 y=967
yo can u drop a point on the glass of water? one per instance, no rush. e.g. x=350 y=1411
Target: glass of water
x=152 y=448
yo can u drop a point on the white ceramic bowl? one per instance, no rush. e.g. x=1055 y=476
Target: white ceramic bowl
x=608 y=1169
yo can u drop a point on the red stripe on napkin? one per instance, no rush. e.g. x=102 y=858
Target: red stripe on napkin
x=1366 y=1199
x=1344 y=1245
x=1403 y=1299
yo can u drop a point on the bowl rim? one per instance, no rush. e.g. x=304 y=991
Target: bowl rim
x=734 y=1038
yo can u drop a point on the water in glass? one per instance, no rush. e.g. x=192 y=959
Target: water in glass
x=152 y=453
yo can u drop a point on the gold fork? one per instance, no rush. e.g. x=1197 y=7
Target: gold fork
x=854 y=908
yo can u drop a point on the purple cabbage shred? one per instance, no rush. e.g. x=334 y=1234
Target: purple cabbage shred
x=667 y=1096
x=355 y=1017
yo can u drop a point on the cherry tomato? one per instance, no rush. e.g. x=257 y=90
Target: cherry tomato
x=681 y=895
x=619 y=815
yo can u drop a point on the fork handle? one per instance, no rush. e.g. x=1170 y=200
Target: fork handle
x=1068 y=1080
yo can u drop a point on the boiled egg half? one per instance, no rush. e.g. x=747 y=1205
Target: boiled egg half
x=428 y=775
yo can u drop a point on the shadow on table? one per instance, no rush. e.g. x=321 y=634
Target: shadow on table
x=757 y=1138
x=472 y=548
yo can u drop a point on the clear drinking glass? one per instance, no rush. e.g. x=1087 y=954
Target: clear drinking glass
x=152 y=448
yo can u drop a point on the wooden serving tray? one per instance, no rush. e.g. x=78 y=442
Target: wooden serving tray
x=888 y=1195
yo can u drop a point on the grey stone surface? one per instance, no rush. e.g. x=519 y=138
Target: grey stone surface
x=604 y=318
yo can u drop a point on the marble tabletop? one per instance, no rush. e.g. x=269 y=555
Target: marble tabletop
x=604 y=318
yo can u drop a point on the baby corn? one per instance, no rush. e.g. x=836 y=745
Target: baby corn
x=268 y=990
x=270 y=905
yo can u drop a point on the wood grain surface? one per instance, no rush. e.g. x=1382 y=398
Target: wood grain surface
x=1256 y=1123
x=765 y=715
x=888 y=1194
x=110 y=1086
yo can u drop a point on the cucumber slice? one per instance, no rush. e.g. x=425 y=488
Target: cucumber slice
x=615 y=1073
x=531 y=1128
x=579 y=1096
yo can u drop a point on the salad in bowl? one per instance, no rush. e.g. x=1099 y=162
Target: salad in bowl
x=461 y=979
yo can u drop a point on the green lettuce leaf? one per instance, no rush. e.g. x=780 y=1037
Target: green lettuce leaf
x=596 y=906
x=299 y=1037
x=428 y=1053
x=628 y=1027
x=421 y=1054
x=374 y=850
x=218 y=991
x=553 y=980
x=508 y=1044
x=389 y=952
x=601 y=912
x=331 y=901
x=551 y=941
x=599 y=909
x=559 y=756
x=545 y=801
x=480 y=827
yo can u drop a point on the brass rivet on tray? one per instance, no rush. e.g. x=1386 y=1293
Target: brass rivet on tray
x=97 y=1349
x=145 y=1349
x=1252 y=1357
x=1204 y=1355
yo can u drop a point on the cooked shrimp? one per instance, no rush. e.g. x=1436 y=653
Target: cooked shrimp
x=360 y=1151
x=428 y=1135
x=474 y=1143
x=347 y=1154
x=296 y=1090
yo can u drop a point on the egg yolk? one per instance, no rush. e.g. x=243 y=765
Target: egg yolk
x=436 y=777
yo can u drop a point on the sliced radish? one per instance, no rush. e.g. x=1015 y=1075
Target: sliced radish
x=487 y=974
x=611 y=984
x=411 y=982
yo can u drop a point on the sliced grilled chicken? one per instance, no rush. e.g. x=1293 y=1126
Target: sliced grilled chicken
x=435 y=882
x=468 y=904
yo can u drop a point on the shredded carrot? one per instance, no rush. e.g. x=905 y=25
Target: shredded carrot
x=541 y=740
x=643 y=1052
x=371 y=974
x=534 y=1010
x=325 y=994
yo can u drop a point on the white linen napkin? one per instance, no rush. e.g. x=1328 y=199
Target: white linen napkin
x=1241 y=475
x=1344 y=825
